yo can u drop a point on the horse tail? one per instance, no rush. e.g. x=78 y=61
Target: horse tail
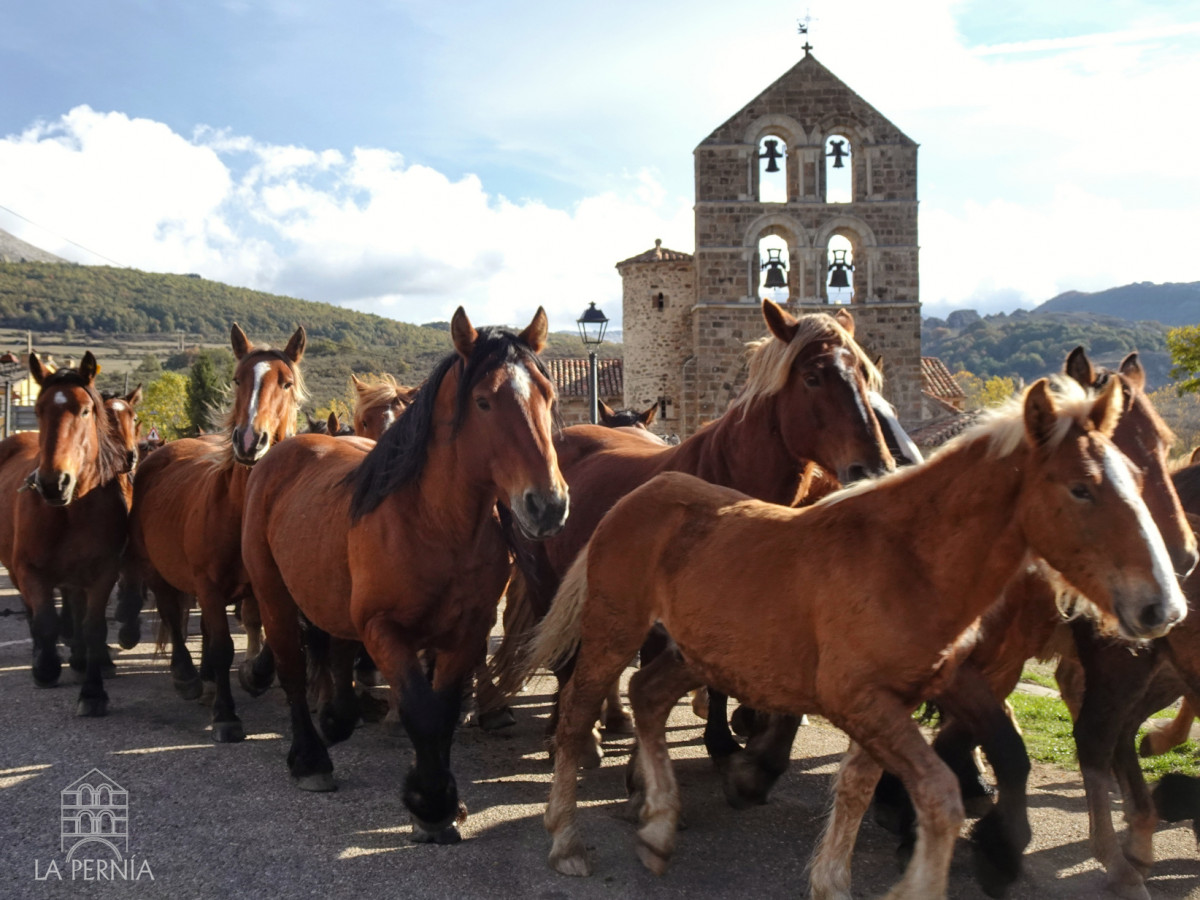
x=558 y=635
x=506 y=667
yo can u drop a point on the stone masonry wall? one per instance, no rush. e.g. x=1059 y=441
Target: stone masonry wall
x=657 y=340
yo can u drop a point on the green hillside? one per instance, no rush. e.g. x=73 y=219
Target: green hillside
x=1170 y=303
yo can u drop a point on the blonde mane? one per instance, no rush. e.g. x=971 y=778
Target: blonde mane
x=225 y=458
x=771 y=359
x=378 y=389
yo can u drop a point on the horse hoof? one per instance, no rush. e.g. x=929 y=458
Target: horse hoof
x=745 y=783
x=444 y=836
x=652 y=859
x=249 y=682
x=573 y=864
x=92 y=707
x=1128 y=890
x=228 y=732
x=741 y=722
x=318 y=782
x=619 y=724
x=997 y=861
x=497 y=719
x=188 y=688
x=130 y=635
x=592 y=753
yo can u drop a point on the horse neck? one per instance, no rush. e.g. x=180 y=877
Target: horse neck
x=745 y=452
x=959 y=514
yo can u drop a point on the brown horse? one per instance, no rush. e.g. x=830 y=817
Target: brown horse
x=1024 y=623
x=627 y=418
x=411 y=554
x=868 y=619
x=806 y=399
x=187 y=516
x=380 y=400
x=66 y=520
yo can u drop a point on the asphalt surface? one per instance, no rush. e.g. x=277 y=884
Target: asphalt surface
x=212 y=820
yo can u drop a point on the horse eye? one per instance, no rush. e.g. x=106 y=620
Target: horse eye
x=812 y=381
x=287 y=385
x=86 y=412
x=482 y=403
x=1082 y=493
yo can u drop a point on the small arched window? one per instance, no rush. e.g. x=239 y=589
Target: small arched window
x=658 y=301
x=839 y=169
x=773 y=264
x=839 y=278
x=772 y=170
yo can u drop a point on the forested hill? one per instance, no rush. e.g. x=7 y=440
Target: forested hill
x=1033 y=344
x=1172 y=304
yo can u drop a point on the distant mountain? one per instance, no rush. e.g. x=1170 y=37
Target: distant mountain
x=1172 y=304
x=13 y=249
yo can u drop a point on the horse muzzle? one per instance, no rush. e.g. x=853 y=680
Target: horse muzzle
x=1152 y=614
x=249 y=446
x=541 y=514
x=58 y=489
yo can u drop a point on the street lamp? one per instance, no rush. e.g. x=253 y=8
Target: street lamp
x=591 y=331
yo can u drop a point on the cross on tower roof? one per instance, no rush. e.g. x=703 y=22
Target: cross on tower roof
x=806 y=48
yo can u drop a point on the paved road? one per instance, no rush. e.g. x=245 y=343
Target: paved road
x=215 y=821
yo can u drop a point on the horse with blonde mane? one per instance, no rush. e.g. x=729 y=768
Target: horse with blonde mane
x=806 y=399
x=186 y=522
x=869 y=617
x=379 y=401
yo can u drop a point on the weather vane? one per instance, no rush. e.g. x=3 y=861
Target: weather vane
x=802 y=28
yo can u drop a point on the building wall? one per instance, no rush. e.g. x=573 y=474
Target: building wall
x=657 y=340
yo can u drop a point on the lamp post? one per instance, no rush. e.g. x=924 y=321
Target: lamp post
x=591 y=331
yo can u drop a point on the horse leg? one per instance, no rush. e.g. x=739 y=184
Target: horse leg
x=43 y=629
x=491 y=705
x=174 y=608
x=257 y=670
x=93 y=701
x=226 y=726
x=750 y=775
x=653 y=691
x=718 y=739
x=131 y=595
x=338 y=716
x=1161 y=738
x=616 y=719
x=1141 y=817
x=893 y=740
x=1001 y=836
x=74 y=608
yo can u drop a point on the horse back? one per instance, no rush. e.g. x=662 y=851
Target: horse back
x=18 y=457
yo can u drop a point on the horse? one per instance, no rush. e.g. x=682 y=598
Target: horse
x=866 y=619
x=1025 y=622
x=185 y=525
x=331 y=425
x=66 y=521
x=805 y=400
x=380 y=400
x=627 y=417
x=423 y=498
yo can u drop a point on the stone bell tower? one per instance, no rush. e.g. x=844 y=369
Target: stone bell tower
x=809 y=178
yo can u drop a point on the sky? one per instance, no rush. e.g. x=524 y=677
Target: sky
x=404 y=157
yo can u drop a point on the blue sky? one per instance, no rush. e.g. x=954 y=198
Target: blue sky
x=403 y=157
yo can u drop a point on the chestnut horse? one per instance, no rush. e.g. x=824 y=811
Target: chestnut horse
x=66 y=520
x=1021 y=625
x=411 y=554
x=857 y=608
x=379 y=402
x=185 y=526
x=805 y=400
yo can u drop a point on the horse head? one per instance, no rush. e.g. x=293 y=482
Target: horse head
x=379 y=402
x=819 y=381
x=267 y=391
x=1143 y=437
x=627 y=418
x=76 y=449
x=1081 y=510
x=124 y=424
x=505 y=421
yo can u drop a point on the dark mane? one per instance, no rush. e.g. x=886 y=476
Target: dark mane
x=399 y=457
x=110 y=455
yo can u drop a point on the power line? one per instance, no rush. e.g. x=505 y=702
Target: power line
x=62 y=237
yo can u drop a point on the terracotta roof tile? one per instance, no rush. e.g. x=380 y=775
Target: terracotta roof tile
x=658 y=254
x=937 y=433
x=938 y=381
x=570 y=376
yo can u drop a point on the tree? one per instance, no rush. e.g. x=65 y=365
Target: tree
x=207 y=385
x=165 y=407
x=983 y=392
x=1184 y=344
x=147 y=370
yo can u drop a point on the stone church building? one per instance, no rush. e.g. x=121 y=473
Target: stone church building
x=807 y=195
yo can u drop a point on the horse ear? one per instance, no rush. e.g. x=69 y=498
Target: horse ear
x=1106 y=411
x=310 y=420
x=1079 y=367
x=879 y=363
x=295 y=347
x=360 y=386
x=36 y=369
x=333 y=424
x=463 y=333
x=647 y=416
x=241 y=343
x=134 y=397
x=1131 y=368
x=1195 y=458
x=845 y=320
x=88 y=367
x=780 y=322
x=535 y=334
x=1040 y=413
x=606 y=412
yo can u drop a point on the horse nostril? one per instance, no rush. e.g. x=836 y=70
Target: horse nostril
x=533 y=505
x=1184 y=559
x=1152 y=615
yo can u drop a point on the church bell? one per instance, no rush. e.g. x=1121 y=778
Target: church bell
x=775 y=268
x=838 y=268
x=836 y=151
x=770 y=154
